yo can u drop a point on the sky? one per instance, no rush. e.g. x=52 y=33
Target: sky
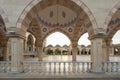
x=58 y=38
x=116 y=38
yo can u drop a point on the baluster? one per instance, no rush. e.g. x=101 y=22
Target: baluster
x=59 y=67
x=34 y=67
x=78 y=67
x=103 y=66
x=115 y=66
x=64 y=67
x=3 y=67
x=69 y=67
x=54 y=67
x=9 y=68
x=5 y=63
x=25 y=67
x=83 y=68
x=45 y=69
x=40 y=67
x=74 y=67
x=118 y=67
x=109 y=69
x=0 y=66
x=112 y=66
x=88 y=67
x=30 y=68
x=49 y=67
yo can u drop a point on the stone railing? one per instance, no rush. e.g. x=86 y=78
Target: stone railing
x=57 y=67
x=5 y=66
x=109 y=66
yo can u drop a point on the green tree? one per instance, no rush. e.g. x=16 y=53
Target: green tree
x=50 y=52
x=64 y=52
x=57 y=52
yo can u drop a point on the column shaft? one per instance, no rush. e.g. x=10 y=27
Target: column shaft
x=97 y=55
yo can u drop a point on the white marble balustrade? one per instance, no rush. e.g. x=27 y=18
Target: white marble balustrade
x=5 y=66
x=110 y=66
x=56 y=67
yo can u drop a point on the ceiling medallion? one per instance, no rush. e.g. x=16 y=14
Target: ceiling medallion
x=58 y=24
x=70 y=29
x=44 y=29
x=63 y=14
x=51 y=14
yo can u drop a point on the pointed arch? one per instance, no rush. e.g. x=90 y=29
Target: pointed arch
x=31 y=9
x=110 y=16
x=58 y=30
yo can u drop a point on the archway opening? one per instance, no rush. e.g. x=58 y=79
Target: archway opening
x=30 y=47
x=84 y=48
x=4 y=55
x=57 y=47
x=116 y=38
x=115 y=47
x=45 y=16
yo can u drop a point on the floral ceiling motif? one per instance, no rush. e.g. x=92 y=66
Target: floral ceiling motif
x=57 y=16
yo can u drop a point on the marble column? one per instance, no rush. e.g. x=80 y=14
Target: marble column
x=17 y=46
x=97 y=52
x=40 y=53
x=74 y=52
x=6 y=55
x=8 y=50
x=106 y=46
x=112 y=51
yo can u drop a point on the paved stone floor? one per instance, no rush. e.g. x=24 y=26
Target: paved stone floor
x=81 y=76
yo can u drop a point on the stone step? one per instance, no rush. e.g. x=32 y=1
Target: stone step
x=59 y=78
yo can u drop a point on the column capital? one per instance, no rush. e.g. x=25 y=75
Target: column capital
x=15 y=35
x=99 y=35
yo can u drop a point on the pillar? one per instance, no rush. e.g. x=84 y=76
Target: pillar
x=74 y=52
x=6 y=55
x=97 y=52
x=40 y=53
x=16 y=50
x=106 y=47
x=112 y=50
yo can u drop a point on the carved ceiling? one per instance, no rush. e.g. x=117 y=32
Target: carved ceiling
x=115 y=21
x=2 y=29
x=57 y=16
x=61 y=17
x=114 y=25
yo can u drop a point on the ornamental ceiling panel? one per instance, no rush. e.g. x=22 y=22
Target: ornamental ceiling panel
x=57 y=16
x=115 y=21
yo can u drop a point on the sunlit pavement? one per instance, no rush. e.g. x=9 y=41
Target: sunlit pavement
x=69 y=58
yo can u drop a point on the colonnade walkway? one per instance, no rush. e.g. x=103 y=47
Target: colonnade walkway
x=57 y=67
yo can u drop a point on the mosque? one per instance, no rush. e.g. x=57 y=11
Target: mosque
x=26 y=24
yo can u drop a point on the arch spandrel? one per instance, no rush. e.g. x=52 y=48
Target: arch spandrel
x=83 y=16
x=35 y=3
x=58 y=30
x=112 y=20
